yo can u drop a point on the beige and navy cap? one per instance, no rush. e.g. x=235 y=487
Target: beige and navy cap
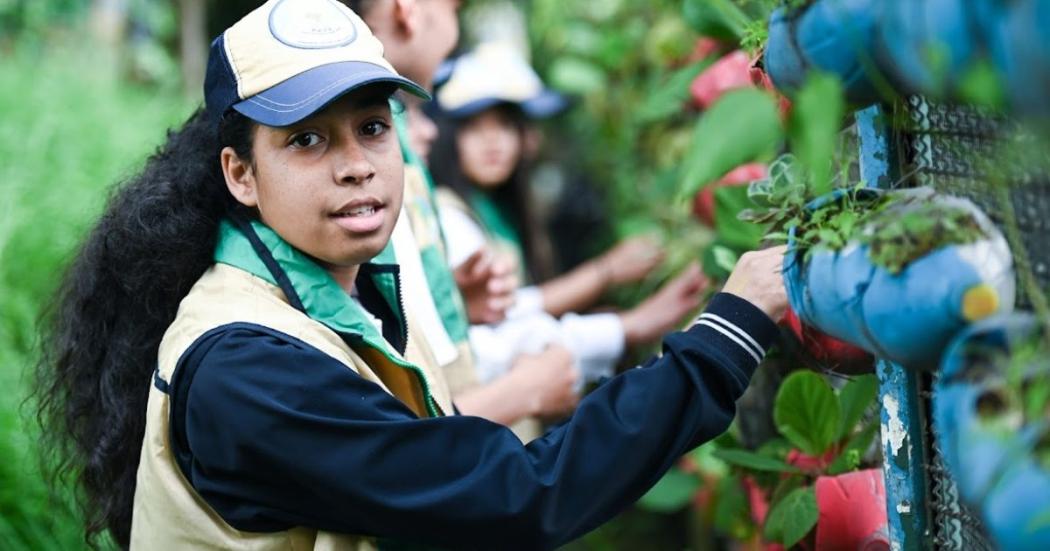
x=494 y=73
x=287 y=59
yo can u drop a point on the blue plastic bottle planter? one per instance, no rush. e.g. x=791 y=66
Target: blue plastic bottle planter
x=834 y=36
x=993 y=465
x=1016 y=34
x=920 y=46
x=910 y=317
x=928 y=45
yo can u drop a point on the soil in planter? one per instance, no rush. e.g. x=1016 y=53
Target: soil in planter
x=899 y=227
x=906 y=230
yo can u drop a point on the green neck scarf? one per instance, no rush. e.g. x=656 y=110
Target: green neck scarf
x=497 y=221
x=258 y=250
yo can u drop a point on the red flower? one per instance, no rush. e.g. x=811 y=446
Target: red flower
x=704 y=201
x=731 y=72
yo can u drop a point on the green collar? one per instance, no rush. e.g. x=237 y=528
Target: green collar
x=258 y=250
x=496 y=219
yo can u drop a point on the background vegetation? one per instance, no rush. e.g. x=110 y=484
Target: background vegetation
x=70 y=131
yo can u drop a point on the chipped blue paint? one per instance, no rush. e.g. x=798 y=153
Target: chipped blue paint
x=876 y=147
x=902 y=416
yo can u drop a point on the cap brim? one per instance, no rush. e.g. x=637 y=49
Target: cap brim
x=307 y=93
x=547 y=104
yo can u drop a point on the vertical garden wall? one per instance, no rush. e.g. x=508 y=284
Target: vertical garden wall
x=742 y=114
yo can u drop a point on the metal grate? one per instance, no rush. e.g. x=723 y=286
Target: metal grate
x=955 y=526
x=949 y=148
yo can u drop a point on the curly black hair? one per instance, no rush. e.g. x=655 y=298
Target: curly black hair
x=101 y=332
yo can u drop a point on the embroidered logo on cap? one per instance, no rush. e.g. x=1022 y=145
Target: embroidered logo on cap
x=312 y=24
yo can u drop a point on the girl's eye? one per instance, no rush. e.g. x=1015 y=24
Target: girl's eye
x=304 y=140
x=374 y=128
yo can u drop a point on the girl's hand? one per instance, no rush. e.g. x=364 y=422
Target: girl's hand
x=630 y=260
x=663 y=311
x=758 y=278
x=488 y=284
x=549 y=380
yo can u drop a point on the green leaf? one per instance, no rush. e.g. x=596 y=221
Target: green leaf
x=707 y=462
x=982 y=85
x=719 y=19
x=582 y=39
x=807 y=413
x=754 y=461
x=785 y=486
x=854 y=450
x=671 y=493
x=854 y=399
x=793 y=517
x=668 y=96
x=718 y=260
x=730 y=201
x=741 y=127
x=731 y=509
x=576 y=76
x=775 y=447
x=725 y=258
x=813 y=127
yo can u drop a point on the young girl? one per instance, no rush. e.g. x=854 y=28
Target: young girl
x=228 y=365
x=489 y=97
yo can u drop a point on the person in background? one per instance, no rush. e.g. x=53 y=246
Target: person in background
x=489 y=98
x=417 y=35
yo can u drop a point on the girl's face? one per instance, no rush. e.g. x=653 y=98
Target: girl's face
x=490 y=147
x=330 y=185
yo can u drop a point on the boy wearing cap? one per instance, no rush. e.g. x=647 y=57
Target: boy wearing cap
x=233 y=375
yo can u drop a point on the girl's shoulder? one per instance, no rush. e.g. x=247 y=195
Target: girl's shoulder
x=226 y=296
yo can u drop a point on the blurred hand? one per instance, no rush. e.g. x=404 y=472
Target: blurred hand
x=663 y=311
x=549 y=380
x=758 y=279
x=630 y=260
x=487 y=283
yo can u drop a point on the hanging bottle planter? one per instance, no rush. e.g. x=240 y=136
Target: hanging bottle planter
x=837 y=355
x=1016 y=36
x=992 y=423
x=928 y=45
x=911 y=269
x=834 y=36
x=932 y=47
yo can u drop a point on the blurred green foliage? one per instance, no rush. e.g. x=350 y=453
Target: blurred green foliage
x=629 y=66
x=37 y=17
x=68 y=136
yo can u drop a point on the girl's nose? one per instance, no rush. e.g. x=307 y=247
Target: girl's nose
x=352 y=166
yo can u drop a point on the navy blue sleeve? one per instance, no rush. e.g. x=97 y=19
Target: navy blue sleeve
x=277 y=434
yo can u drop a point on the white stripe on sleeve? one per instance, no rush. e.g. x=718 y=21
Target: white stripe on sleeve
x=733 y=327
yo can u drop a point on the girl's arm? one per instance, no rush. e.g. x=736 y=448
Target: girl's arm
x=630 y=260
x=577 y=289
x=276 y=434
x=539 y=385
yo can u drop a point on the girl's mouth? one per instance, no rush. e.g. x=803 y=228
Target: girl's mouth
x=360 y=216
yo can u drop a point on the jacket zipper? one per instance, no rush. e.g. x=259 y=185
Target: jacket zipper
x=435 y=410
